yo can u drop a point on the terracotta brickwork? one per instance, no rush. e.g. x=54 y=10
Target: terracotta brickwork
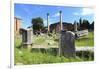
x=17 y=25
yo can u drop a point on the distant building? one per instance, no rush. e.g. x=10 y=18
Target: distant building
x=17 y=25
x=66 y=26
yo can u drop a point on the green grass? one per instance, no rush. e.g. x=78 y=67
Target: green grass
x=26 y=57
x=39 y=40
x=86 y=40
x=53 y=40
x=44 y=40
x=17 y=42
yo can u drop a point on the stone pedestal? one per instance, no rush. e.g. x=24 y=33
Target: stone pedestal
x=67 y=44
x=27 y=38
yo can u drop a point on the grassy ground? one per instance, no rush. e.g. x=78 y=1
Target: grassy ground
x=27 y=57
x=86 y=40
x=53 y=40
x=23 y=56
x=45 y=40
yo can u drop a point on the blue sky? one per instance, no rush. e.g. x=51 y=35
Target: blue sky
x=28 y=11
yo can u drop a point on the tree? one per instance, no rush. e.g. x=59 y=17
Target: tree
x=92 y=26
x=80 y=20
x=80 y=23
x=37 y=24
x=75 y=26
x=85 y=24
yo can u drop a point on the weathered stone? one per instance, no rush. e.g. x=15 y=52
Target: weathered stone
x=27 y=38
x=24 y=35
x=82 y=33
x=67 y=44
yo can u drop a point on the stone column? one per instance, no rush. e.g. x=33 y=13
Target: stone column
x=75 y=26
x=61 y=26
x=48 y=21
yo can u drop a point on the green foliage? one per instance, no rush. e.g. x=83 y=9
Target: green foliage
x=18 y=56
x=26 y=57
x=84 y=24
x=44 y=40
x=37 y=23
x=54 y=40
x=39 y=40
x=18 y=42
x=92 y=25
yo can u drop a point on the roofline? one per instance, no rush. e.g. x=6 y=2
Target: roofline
x=17 y=18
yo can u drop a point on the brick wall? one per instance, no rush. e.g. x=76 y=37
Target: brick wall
x=17 y=25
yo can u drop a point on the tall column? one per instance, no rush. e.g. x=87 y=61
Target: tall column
x=61 y=26
x=75 y=24
x=48 y=21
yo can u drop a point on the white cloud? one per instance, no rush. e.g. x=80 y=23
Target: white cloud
x=56 y=15
x=85 y=11
x=76 y=13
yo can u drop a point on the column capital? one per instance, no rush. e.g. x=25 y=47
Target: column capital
x=60 y=11
x=47 y=14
